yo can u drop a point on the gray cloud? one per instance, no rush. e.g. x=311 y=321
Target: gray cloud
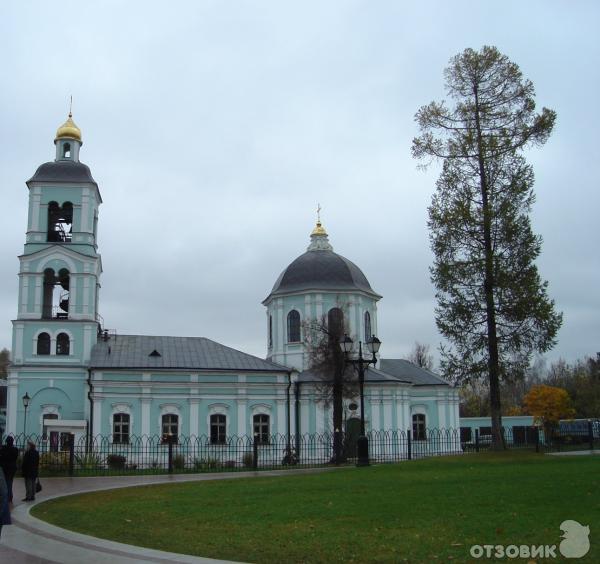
x=214 y=130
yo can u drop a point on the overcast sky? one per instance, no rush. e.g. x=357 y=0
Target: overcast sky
x=214 y=128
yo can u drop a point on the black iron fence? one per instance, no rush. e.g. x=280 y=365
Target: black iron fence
x=563 y=437
x=102 y=455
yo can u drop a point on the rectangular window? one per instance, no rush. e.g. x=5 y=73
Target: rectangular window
x=170 y=428
x=121 y=428
x=218 y=427
x=418 y=424
x=261 y=428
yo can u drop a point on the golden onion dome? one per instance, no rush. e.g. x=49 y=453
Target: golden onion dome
x=68 y=130
x=319 y=230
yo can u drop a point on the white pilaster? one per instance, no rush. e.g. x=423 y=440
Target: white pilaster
x=18 y=352
x=98 y=418
x=12 y=402
x=375 y=411
x=387 y=414
x=241 y=418
x=320 y=417
x=304 y=417
x=146 y=402
x=281 y=413
x=194 y=422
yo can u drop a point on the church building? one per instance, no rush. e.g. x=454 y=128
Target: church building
x=70 y=376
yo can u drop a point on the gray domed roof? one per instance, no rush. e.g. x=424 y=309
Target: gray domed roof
x=319 y=268
x=63 y=171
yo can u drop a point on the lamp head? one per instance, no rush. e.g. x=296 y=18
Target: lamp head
x=346 y=344
x=373 y=344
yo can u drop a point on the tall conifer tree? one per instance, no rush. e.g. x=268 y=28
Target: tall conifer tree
x=492 y=305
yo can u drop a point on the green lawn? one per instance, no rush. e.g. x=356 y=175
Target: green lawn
x=418 y=511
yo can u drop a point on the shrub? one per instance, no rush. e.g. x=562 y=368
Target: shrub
x=116 y=461
x=54 y=460
x=89 y=461
x=207 y=464
x=179 y=462
x=248 y=460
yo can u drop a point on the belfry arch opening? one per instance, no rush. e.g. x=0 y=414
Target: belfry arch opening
x=56 y=294
x=67 y=150
x=60 y=222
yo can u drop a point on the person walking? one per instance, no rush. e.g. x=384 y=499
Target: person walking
x=29 y=469
x=8 y=463
x=4 y=509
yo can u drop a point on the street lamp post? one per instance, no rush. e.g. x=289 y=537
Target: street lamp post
x=373 y=344
x=26 y=400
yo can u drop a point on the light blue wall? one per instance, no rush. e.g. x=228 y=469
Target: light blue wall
x=181 y=393
x=313 y=308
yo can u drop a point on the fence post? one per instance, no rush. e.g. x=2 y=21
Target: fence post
x=591 y=434
x=71 y=454
x=537 y=439
x=170 y=456
x=409 y=445
x=476 y=440
x=255 y=452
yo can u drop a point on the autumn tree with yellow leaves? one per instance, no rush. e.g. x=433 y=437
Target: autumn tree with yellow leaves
x=548 y=405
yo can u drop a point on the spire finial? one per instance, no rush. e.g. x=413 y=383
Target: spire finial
x=71 y=107
x=318 y=237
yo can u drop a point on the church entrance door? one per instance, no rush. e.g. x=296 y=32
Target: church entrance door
x=352 y=434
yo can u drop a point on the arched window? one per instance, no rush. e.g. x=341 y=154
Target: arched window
x=60 y=222
x=43 y=343
x=218 y=428
x=170 y=427
x=270 y=331
x=55 y=303
x=418 y=427
x=63 y=345
x=335 y=323
x=260 y=423
x=368 y=333
x=67 y=150
x=293 y=326
x=121 y=428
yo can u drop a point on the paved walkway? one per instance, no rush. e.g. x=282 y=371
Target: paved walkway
x=31 y=541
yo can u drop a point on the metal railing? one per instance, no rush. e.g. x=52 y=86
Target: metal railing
x=101 y=455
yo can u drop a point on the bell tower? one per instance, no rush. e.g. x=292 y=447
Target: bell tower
x=59 y=279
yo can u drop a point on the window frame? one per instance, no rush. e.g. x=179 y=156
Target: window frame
x=46 y=343
x=294 y=326
x=335 y=323
x=63 y=347
x=261 y=427
x=367 y=321
x=121 y=437
x=166 y=428
x=218 y=429
x=419 y=427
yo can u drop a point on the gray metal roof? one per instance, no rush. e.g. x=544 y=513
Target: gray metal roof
x=190 y=353
x=321 y=270
x=389 y=370
x=63 y=171
x=405 y=370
